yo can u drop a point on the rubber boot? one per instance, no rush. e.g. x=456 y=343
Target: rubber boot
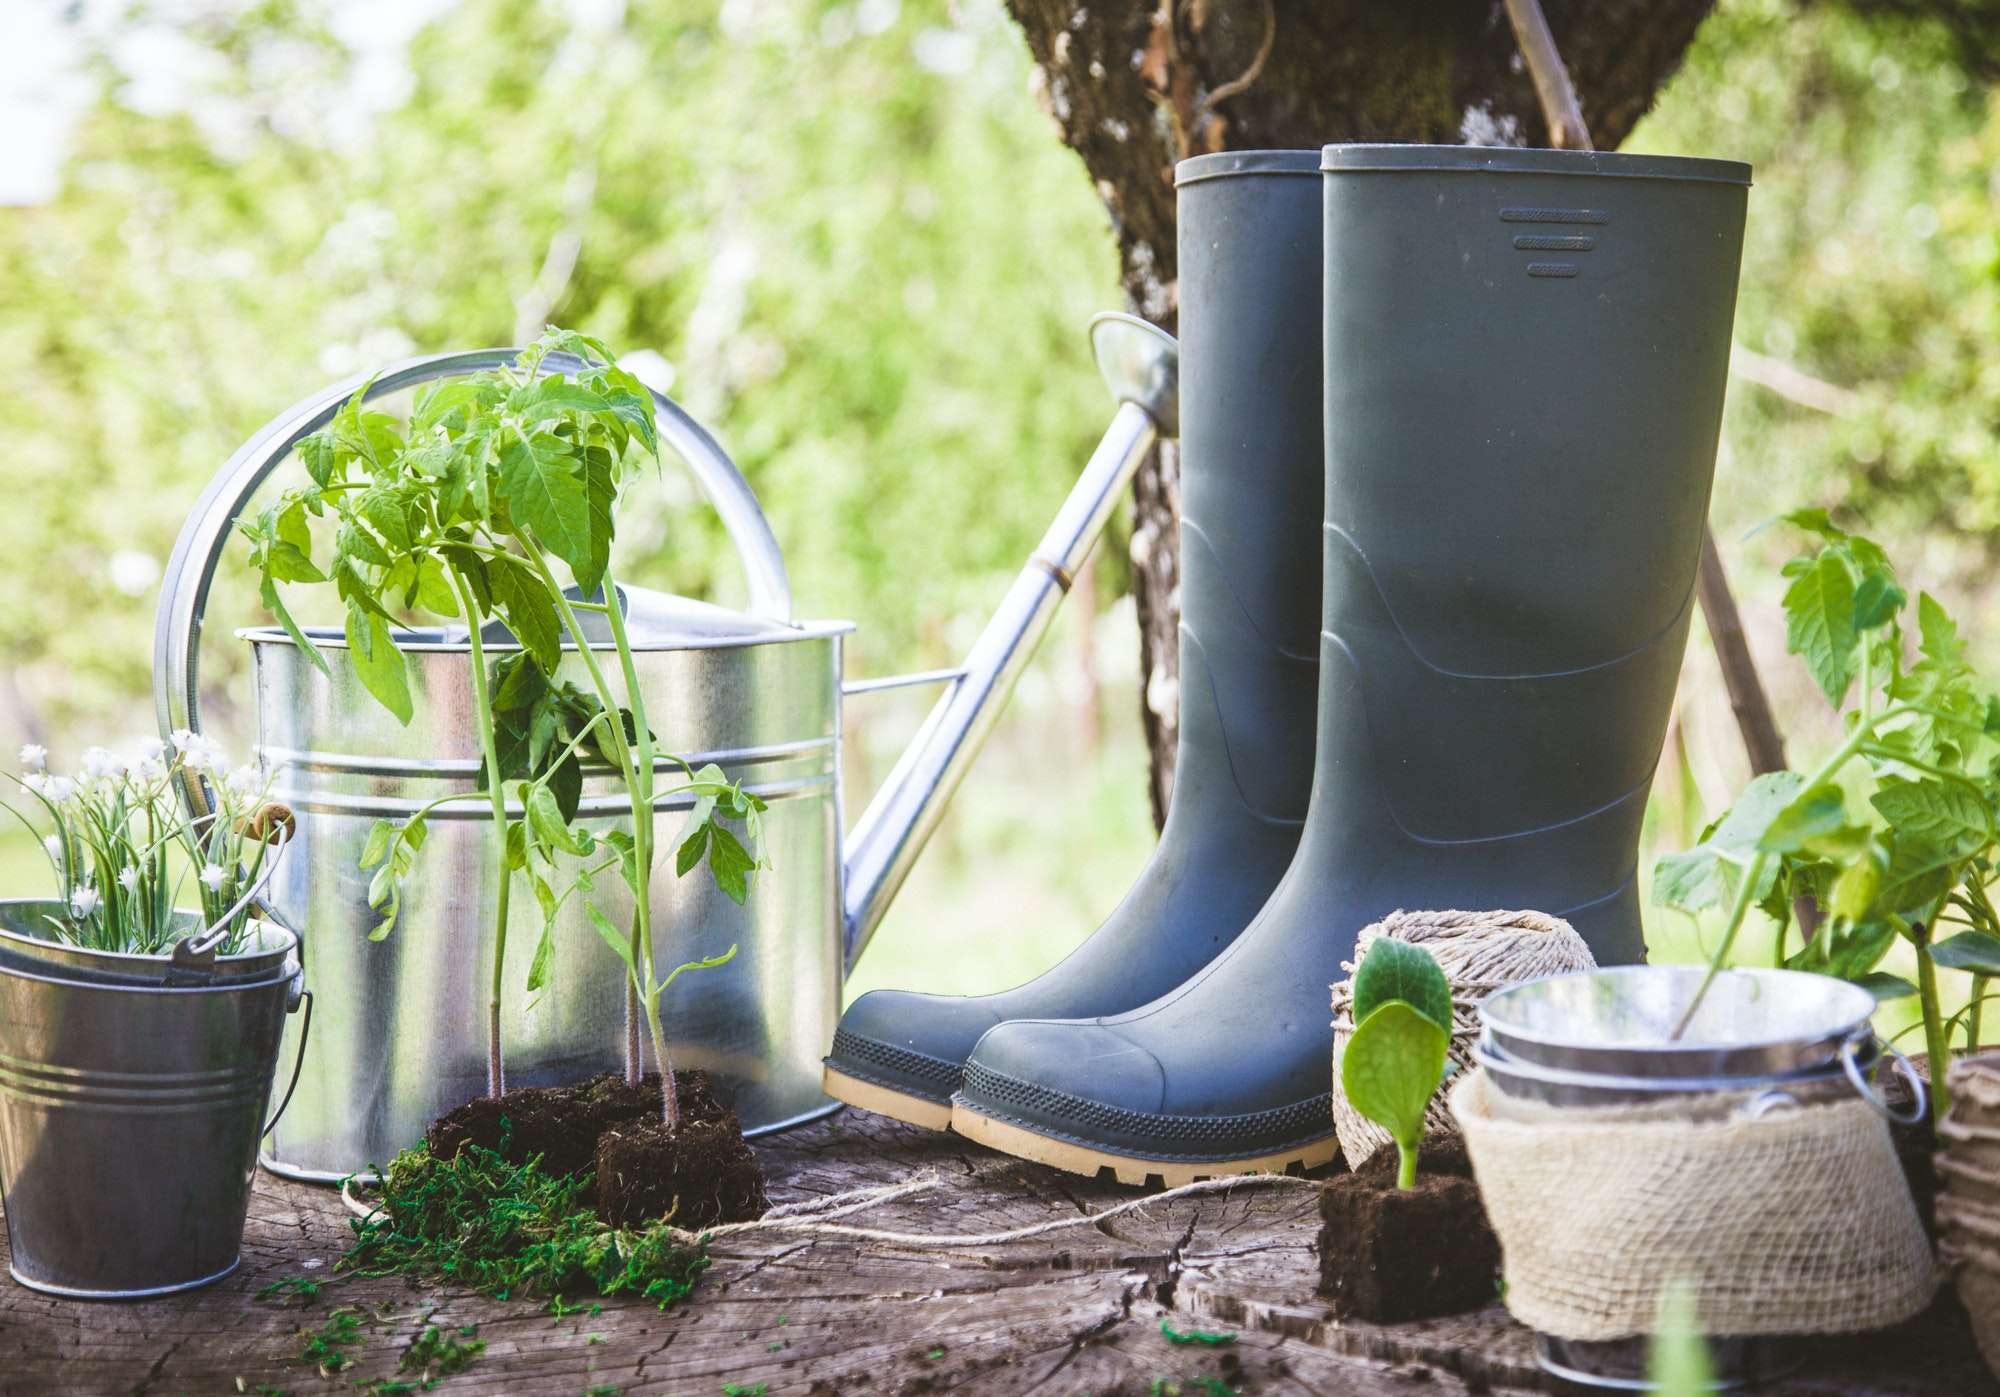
x=1525 y=354
x=1251 y=476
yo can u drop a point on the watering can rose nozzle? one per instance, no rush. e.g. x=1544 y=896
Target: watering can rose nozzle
x=1141 y=366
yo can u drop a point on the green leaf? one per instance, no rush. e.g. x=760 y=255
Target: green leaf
x=517 y=845
x=620 y=944
x=1395 y=969
x=1816 y=521
x=1854 y=891
x=1707 y=875
x=1885 y=986
x=1969 y=950
x=546 y=816
x=318 y=454
x=1392 y=1064
x=691 y=849
x=1920 y=874
x=554 y=396
x=274 y=604
x=538 y=969
x=1949 y=814
x=628 y=856
x=542 y=481
x=730 y=864
x=1876 y=601
x=1812 y=814
x=531 y=614
x=1819 y=623
x=377 y=662
x=601 y=492
x=377 y=847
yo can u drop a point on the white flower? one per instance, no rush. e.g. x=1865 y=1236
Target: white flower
x=213 y=876
x=149 y=768
x=199 y=753
x=58 y=789
x=101 y=763
x=83 y=901
x=152 y=749
x=128 y=879
x=36 y=756
x=244 y=780
x=54 y=845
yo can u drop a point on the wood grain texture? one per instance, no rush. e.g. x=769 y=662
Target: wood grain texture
x=1077 y=1312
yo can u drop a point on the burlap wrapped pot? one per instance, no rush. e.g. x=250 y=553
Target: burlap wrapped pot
x=1479 y=953
x=1796 y=1221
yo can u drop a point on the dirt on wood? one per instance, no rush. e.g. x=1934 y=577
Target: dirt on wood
x=699 y=1175
x=702 y=1173
x=1391 y=1254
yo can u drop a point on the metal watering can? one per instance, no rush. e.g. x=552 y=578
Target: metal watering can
x=401 y=1033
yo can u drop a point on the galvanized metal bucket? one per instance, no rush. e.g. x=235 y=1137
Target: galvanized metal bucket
x=130 y=1107
x=1605 y=1037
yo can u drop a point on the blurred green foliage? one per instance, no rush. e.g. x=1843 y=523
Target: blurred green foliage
x=865 y=255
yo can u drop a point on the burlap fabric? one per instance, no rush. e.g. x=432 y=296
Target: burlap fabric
x=1798 y=1222
x=1479 y=953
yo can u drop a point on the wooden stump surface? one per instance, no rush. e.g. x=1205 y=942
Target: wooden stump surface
x=1078 y=1311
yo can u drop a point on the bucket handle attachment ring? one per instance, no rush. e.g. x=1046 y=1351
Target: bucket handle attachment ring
x=1921 y=1099
x=298 y=1062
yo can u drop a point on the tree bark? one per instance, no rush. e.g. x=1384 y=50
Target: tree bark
x=1134 y=89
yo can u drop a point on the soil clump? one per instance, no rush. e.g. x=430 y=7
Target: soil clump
x=704 y=1172
x=697 y=1176
x=1390 y=1255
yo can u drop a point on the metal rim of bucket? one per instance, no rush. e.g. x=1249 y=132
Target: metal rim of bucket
x=1548 y=1048
x=71 y=1293
x=1562 y=1087
x=236 y=968
x=1605 y=1364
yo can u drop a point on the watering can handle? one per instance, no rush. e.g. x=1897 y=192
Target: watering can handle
x=191 y=568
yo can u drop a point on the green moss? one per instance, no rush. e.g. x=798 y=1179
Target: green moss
x=506 y=1230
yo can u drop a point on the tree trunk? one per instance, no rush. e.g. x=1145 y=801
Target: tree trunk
x=1135 y=89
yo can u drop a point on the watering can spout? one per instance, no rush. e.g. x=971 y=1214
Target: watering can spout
x=1140 y=364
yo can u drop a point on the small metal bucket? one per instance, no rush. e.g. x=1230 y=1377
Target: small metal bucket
x=131 y=1103
x=1602 y=1037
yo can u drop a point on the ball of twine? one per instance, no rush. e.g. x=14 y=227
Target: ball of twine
x=1479 y=953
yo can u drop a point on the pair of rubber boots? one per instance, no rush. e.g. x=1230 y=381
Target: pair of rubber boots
x=1449 y=419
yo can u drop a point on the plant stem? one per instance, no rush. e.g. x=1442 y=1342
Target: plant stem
x=639 y=785
x=1936 y=1049
x=1973 y=1012
x=496 y=1074
x=1406 y=1165
x=642 y=838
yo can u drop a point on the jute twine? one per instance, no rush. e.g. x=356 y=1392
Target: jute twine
x=1798 y=1222
x=1479 y=953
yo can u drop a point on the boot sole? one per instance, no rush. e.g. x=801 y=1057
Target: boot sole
x=885 y=1101
x=1131 y=1169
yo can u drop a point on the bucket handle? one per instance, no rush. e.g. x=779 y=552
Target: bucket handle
x=195 y=955
x=1921 y=1099
x=191 y=568
x=298 y=1062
